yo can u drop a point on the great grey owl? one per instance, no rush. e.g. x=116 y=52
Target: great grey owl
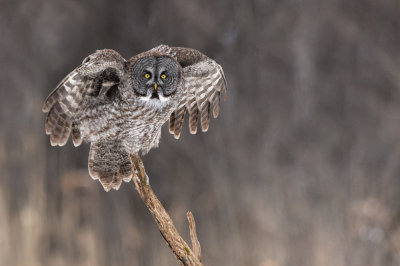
x=120 y=105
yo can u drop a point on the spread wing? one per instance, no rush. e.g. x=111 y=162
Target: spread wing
x=97 y=75
x=205 y=85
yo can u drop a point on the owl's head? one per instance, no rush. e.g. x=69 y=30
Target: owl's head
x=156 y=78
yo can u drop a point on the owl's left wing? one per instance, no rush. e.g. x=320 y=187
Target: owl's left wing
x=204 y=85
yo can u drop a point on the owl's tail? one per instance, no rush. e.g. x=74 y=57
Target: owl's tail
x=109 y=163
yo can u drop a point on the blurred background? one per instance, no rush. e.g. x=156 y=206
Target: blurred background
x=301 y=168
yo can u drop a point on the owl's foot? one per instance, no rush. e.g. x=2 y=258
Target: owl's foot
x=138 y=179
x=139 y=164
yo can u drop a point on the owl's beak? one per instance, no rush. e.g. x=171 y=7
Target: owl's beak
x=155 y=86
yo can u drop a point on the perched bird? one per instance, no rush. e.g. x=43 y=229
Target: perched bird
x=119 y=105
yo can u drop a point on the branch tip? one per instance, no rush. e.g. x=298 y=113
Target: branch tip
x=193 y=236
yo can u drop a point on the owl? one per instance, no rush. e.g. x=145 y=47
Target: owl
x=119 y=105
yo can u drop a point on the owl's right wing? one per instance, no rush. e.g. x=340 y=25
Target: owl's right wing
x=98 y=73
x=204 y=87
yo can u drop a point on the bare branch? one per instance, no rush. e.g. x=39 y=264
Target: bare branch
x=193 y=236
x=167 y=229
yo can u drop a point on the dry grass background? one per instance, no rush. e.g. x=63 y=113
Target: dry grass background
x=301 y=168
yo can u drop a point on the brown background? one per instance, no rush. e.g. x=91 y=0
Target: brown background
x=301 y=168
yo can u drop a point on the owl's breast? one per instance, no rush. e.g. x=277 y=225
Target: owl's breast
x=142 y=130
x=136 y=124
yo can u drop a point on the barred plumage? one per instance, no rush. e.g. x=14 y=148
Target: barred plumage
x=120 y=105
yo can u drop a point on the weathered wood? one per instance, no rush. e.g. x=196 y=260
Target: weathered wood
x=179 y=247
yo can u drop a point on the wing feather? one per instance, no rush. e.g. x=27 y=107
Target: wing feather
x=179 y=119
x=172 y=123
x=76 y=135
x=193 y=120
x=205 y=85
x=205 y=116
x=98 y=72
x=216 y=104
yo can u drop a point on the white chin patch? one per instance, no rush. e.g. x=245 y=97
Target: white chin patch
x=163 y=98
x=155 y=100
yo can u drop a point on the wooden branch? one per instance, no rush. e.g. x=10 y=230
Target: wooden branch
x=167 y=229
x=193 y=237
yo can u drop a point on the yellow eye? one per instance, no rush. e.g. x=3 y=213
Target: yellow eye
x=163 y=76
x=147 y=75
